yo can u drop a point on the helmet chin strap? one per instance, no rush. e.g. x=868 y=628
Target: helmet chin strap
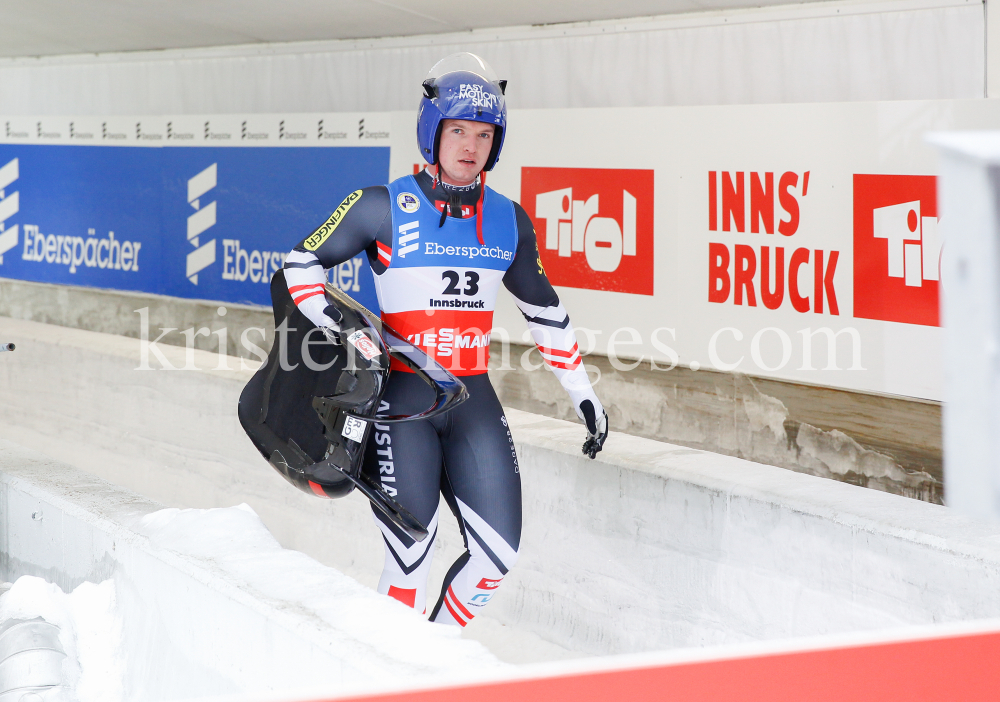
x=479 y=208
x=479 y=203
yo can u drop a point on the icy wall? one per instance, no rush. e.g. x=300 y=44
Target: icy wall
x=651 y=546
x=209 y=602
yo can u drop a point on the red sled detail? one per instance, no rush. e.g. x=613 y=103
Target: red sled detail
x=487 y=584
x=317 y=489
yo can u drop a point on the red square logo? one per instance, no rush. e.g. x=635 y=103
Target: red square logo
x=594 y=226
x=897 y=252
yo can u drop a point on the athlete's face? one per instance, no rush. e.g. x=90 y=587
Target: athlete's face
x=465 y=147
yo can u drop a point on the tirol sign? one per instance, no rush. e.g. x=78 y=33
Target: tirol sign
x=897 y=251
x=594 y=226
x=801 y=243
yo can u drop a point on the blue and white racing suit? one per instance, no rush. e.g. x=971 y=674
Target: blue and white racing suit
x=437 y=284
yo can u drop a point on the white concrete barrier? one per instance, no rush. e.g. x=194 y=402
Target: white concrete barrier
x=237 y=614
x=650 y=546
x=655 y=545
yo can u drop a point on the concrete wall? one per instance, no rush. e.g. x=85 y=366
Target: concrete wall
x=687 y=548
x=195 y=626
x=887 y=443
x=652 y=545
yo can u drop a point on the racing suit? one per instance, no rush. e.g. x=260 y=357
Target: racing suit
x=437 y=274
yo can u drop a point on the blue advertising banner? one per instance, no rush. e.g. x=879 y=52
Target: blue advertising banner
x=200 y=222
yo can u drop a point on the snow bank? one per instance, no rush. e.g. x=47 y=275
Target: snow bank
x=375 y=634
x=90 y=632
x=209 y=602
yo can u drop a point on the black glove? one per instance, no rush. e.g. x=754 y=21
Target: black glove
x=332 y=331
x=597 y=428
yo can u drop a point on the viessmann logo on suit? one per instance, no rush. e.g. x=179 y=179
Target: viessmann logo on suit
x=594 y=226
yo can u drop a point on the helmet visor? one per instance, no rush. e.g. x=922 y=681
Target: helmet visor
x=465 y=62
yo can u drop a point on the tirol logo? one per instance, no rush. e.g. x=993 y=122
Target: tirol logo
x=198 y=223
x=474 y=93
x=365 y=346
x=9 y=206
x=897 y=252
x=408 y=202
x=594 y=226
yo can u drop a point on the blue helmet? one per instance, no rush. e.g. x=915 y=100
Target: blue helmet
x=461 y=86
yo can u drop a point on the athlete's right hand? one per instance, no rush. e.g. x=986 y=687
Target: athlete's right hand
x=597 y=428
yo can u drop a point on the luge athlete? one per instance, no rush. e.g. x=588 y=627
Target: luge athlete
x=440 y=243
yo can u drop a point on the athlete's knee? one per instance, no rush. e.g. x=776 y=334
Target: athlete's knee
x=492 y=559
x=493 y=547
x=477 y=576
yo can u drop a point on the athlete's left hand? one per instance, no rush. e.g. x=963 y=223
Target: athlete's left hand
x=330 y=324
x=332 y=332
x=597 y=426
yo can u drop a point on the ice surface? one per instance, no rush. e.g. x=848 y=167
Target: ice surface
x=89 y=630
x=382 y=640
x=370 y=628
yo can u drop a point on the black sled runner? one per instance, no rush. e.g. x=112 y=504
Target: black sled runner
x=309 y=410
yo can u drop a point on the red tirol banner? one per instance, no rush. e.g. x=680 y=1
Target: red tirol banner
x=594 y=226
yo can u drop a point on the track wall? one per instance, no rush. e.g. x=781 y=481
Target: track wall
x=215 y=620
x=650 y=546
